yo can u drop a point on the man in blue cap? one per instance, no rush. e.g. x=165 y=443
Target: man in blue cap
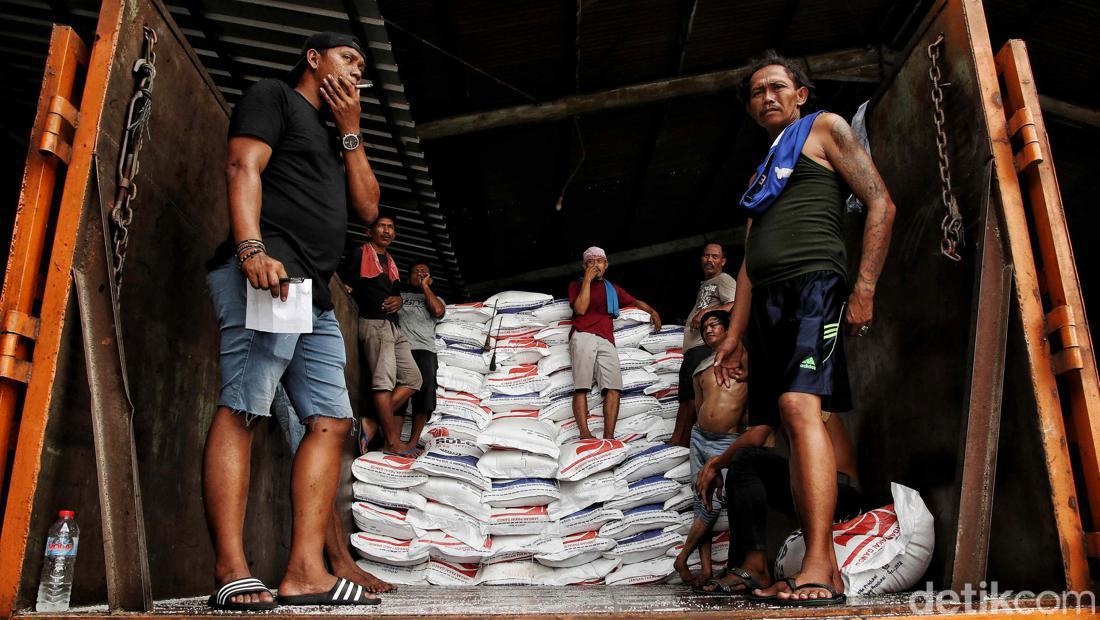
x=291 y=182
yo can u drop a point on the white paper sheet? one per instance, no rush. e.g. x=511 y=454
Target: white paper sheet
x=270 y=314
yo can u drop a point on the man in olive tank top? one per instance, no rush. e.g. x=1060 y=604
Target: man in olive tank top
x=793 y=294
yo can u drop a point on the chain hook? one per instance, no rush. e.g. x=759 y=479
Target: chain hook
x=952 y=225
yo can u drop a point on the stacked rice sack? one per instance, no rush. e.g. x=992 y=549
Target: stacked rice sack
x=503 y=491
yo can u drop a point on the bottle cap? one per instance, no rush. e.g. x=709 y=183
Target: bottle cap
x=66 y=513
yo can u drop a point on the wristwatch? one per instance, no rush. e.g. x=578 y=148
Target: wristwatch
x=350 y=141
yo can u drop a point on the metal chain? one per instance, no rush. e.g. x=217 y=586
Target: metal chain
x=952 y=225
x=137 y=124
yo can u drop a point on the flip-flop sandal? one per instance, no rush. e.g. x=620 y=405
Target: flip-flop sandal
x=343 y=593
x=742 y=576
x=247 y=585
x=772 y=598
x=835 y=599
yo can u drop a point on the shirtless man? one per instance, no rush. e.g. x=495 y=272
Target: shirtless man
x=720 y=408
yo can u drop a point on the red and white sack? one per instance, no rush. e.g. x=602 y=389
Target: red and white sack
x=586 y=520
x=580 y=459
x=507 y=403
x=452 y=426
x=654 y=461
x=521 y=332
x=521 y=430
x=513 y=547
x=636 y=404
x=556 y=310
x=462 y=334
x=667 y=362
x=667 y=385
x=669 y=337
x=462 y=405
x=440 y=463
x=456 y=494
x=476 y=360
x=375 y=519
x=559 y=409
x=630 y=336
x=520 y=520
x=453 y=446
x=520 y=350
x=557 y=359
x=518 y=573
x=650 y=571
x=683 y=500
x=591 y=573
x=386 y=470
x=516 y=380
x=580 y=494
x=437 y=516
x=560 y=385
x=391 y=498
x=389 y=550
x=505 y=321
x=517 y=301
x=882 y=551
x=510 y=463
x=637 y=380
x=649 y=490
x=633 y=358
x=474 y=312
x=645 y=545
x=638 y=520
x=636 y=428
x=522 y=492
x=569 y=431
x=445 y=573
x=555 y=333
x=631 y=315
x=661 y=430
x=577 y=549
x=415 y=575
x=459 y=379
x=443 y=546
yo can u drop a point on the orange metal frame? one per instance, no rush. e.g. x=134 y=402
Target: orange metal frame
x=55 y=302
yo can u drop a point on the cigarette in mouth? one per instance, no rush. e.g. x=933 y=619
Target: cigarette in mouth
x=367 y=84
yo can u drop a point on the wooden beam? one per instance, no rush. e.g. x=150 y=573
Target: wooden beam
x=634 y=95
x=1070 y=111
x=728 y=237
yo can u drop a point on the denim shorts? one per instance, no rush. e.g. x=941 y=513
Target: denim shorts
x=705 y=446
x=252 y=363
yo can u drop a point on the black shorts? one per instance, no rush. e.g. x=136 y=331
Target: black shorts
x=424 y=400
x=796 y=344
x=692 y=358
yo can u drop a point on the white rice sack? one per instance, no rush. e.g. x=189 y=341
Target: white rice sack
x=415 y=575
x=513 y=333
x=723 y=522
x=516 y=380
x=640 y=519
x=517 y=301
x=475 y=360
x=559 y=410
x=459 y=379
x=651 y=490
x=445 y=573
x=508 y=463
x=592 y=573
x=556 y=333
x=437 y=516
x=474 y=312
x=650 y=571
x=389 y=550
x=460 y=466
x=587 y=519
x=520 y=350
x=661 y=430
x=374 y=519
x=645 y=546
x=557 y=359
x=505 y=403
x=560 y=385
x=720 y=547
x=509 y=548
x=636 y=428
x=522 y=492
x=631 y=315
x=462 y=334
x=581 y=494
x=521 y=431
x=505 y=321
x=519 y=520
x=683 y=500
x=386 y=470
x=580 y=459
x=667 y=408
x=518 y=573
x=635 y=381
x=683 y=526
x=452 y=426
x=631 y=336
x=462 y=405
x=577 y=549
x=667 y=385
x=390 y=498
x=652 y=461
x=452 y=446
x=443 y=546
x=569 y=431
x=681 y=473
x=633 y=358
x=637 y=404
x=670 y=336
x=456 y=494
x=668 y=361
x=556 y=310
x=638 y=447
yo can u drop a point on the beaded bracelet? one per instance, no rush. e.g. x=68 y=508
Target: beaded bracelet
x=249 y=255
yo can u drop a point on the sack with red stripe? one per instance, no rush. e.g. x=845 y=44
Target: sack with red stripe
x=516 y=380
x=387 y=470
x=580 y=459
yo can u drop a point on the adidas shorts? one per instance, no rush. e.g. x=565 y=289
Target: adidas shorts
x=795 y=343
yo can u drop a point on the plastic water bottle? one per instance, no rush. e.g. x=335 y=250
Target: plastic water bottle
x=56 y=583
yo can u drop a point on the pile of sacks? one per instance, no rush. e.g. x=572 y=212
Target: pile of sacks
x=504 y=491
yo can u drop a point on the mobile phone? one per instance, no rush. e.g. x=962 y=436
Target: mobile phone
x=291 y=280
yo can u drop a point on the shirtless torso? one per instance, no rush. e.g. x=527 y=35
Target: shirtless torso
x=719 y=407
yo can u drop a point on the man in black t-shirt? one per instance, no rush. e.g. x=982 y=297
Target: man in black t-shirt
x=371 y=276
x=291 y=182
